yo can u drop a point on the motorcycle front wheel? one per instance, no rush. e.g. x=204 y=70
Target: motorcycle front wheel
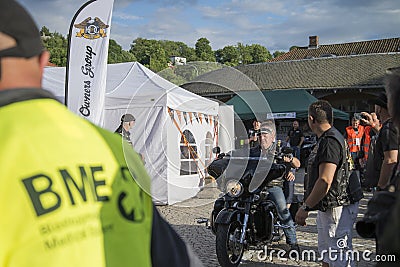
x=229 y=250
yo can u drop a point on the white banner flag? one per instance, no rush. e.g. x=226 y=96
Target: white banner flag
x=85 y=86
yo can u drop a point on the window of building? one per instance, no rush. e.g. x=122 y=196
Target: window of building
x=189 y=155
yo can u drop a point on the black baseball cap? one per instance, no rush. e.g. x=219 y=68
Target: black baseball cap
x=19 y=35
x=127 y=118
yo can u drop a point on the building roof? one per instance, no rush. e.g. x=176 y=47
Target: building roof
x=226 y=80
x=355 y=48
x=345 y=72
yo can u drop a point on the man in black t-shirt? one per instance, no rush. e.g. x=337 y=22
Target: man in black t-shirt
x=295 y=138
x=327 y=184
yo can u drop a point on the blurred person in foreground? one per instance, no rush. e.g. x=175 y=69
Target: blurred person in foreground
x=386 y=146
x=69 y=195
x=390 y=241
x=327 y=185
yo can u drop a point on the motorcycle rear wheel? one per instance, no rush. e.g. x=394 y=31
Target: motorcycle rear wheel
x=229 y=250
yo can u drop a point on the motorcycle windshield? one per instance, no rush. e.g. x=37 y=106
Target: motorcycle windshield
x=241 y=162
x=261 y=170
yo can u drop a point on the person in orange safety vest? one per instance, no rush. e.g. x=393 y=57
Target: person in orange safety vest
x=353 y=136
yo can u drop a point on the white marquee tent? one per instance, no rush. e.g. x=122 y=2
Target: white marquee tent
x=164 y=114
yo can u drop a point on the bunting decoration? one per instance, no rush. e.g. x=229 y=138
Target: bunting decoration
x=216 y=121
x=192 y=117
x=171 y=112
x=179 y=116
x=196 y=116
x=185 y=117
x=189 y=116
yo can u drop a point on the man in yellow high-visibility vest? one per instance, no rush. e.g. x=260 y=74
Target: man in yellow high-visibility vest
x=71 y=193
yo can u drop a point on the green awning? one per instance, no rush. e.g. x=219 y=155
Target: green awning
x=280 y=101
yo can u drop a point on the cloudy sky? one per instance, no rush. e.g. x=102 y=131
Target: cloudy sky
x=275 y=24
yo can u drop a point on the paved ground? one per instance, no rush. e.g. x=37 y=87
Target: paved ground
x=183 y=218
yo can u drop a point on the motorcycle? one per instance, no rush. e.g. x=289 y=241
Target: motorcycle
x=244 y=218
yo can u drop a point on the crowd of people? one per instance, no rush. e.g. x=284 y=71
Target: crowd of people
x=340 y=167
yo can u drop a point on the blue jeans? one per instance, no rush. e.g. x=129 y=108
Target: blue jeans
x=277 y=196
x=288 y=191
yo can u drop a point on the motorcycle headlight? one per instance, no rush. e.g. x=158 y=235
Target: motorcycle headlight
x=234 y=188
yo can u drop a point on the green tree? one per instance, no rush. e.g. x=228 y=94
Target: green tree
x=150 y=53
x=293 y=47
x=278 y=53
x=117 y=55
x=244 y=54
x=259 y=53
x=45 y=31
x=179 y=49
x=229 y=55
x=57 y=45
x=203 y=50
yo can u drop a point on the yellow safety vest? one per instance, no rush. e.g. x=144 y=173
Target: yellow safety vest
x=67 y=195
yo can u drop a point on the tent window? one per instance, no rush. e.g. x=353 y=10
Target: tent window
x=189 y=154
x=209 y=147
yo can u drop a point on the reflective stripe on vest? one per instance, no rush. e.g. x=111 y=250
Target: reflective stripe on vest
x=67 y=197
x=354 y=138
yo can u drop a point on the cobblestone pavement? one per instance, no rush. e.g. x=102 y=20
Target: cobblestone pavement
x=183 y=217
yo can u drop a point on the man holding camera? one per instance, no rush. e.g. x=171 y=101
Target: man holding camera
x=254 y=134
x=354 y=135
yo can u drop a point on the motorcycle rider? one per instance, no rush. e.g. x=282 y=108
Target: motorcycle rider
x=274 y=188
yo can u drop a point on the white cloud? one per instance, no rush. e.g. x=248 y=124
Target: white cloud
x=276 y=24
x=125 y=16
